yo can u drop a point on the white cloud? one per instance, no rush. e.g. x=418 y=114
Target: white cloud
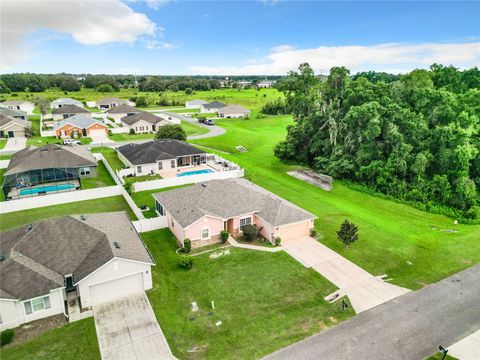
x=93 y=22
x=156 y=4
x=153 y=44
x=401 y=57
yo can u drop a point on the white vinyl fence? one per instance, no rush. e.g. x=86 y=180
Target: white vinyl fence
x=145 y=225
x=182 y=180
x=120 y=130
x=45 y=133
x=4 y=164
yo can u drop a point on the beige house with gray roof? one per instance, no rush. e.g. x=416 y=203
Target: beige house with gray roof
x=67 y=264
x=200 y=212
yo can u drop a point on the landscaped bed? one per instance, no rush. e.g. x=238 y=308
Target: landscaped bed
x=108 y=204
x=265 y=301
x=73 y=341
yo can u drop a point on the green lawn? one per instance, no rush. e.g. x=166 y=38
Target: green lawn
x=438 y=356
x=134 y=179
x=391 y=234
x=102 y=179
x=2 y=195
x=114 y=203
x=5 y=157
x=265 y=301
x=192 y=129
x=145 y=198
x=3 y=142
x=110 y=155
x=73 y=341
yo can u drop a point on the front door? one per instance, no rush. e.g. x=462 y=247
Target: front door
x=10 y=134
x=230 y=227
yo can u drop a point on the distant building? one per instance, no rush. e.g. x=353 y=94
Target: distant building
x=195 y=104
x=144 y=122
x=18 y=114
x=79 y=125
x=120 y=111
x=13 y=127
x=233 y=111
x=22 y=105
x=65 y=101
x=265 y=84
x=214 y=106
x=108 y=103
x=66 y=111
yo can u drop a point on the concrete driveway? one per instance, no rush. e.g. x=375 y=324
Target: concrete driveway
x=128 y=329
x=101 y=139
x=364 y=290
x=15 y=144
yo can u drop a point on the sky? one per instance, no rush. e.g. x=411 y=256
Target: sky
x=256 y=37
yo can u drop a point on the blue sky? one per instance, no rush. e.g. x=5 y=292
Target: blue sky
x=236 y=37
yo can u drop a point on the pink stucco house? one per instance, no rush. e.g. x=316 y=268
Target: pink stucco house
x=200 y=212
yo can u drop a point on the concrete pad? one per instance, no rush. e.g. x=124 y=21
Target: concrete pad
x=15 y=144
x=467 y=348
x=128 y=329
x=363 y=289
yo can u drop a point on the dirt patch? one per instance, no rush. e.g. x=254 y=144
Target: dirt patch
x=31 y=330
x=322 y=326
x=332 y=320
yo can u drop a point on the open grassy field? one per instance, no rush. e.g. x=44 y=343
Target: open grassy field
x=264 y=300
x=75 y=341
x=17 y=218
x=392 y=235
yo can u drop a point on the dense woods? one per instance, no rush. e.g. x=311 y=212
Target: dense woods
x=415 y=138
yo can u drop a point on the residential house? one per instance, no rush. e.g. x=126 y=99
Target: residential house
x=201 y=211
x=160 y=156
x=18 y=114
x=143 y=122
x=214 y=106
x=22 y=105
x=233 y=111
x=195 y=104
x=108 y=103
x=69 y=110
x=13 y=127
x=79 y=125
x=48 y=169
x=68 y=264
x=265 y=84
x=65 y=101
x=173 y=118
x=120 y=111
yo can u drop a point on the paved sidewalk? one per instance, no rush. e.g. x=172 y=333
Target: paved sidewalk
x=15 y=144
x=128 y=329
x=467 y=348
x=235 y=243
x=411 y=326
x=364 y=290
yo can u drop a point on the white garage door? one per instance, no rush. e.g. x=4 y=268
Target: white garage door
x=116 y=289
x=288 y=232
x=97 y=132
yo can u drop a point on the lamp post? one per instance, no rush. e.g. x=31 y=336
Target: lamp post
x=443 y=351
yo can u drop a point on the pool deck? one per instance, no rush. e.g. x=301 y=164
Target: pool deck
x=15 y=193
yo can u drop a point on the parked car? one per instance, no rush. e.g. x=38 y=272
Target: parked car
x=209 y=122
x=71 y=142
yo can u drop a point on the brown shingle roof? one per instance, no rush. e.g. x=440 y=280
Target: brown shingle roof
x=70 y=109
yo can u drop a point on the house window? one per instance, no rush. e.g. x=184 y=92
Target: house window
x=172 y=164
x=160 y=209
x=245 y=221
x=85 y=171
x=205 y=234
x=160 y=165
x=139 y=169
x=37 y=304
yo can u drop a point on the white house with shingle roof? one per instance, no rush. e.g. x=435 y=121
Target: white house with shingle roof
x=120 y=111
x=195 y=104
x=65 y=101
x=233 y=111
x=67 y=264
x=13 y=127
x=22 y=105
x=200 y=212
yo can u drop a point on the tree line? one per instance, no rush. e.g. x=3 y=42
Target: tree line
x=415 y=138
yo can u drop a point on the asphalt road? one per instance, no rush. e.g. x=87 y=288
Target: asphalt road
x=411 y=326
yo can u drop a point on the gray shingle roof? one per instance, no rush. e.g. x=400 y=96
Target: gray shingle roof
x=152 y=151
x=80 y=121
x=141 y=115
x=13 y=113
x=197 y=102
x=226 y=199
x=49 y=156
x=15 y=102
x=214 y=105
x=111 y=100
x=4 y=120
x=67 y=101
x=122 y=109
x=37 y=260
x=234 y=109
x=70 y=109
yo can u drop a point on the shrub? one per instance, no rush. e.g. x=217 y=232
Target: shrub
x=187 y=245
x=188 y=91
x=171 y=132
x=224 y=235
x=141 y=101
x=313 y=233
x=6 y=337
x=249 y=232
x=105 y=88
x=132 y=131
x=348 y=233
x=185 y=262
x=110 y=132
x=278 y=241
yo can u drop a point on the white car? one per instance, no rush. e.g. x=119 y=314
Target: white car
x=71 y=142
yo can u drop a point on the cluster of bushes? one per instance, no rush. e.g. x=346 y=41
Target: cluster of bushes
x=277 y=107
x=6 y=337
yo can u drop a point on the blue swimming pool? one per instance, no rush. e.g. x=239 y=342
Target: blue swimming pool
x=50 y=188
x=195 y=172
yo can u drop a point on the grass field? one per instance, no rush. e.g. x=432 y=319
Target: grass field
x=102 y=179
x=114 y=203
x=75 y=341
x=391 y=234
x=264 y=300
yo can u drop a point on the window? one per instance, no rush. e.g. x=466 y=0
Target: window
x=160 y=165
x=205 y=234
x=159 y=208
x=245 y=221
x=37 y=304
x=172 y=164
x=85 y=171
x=139 y=169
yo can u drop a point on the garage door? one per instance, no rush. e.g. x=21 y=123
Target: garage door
x=97 y=132
x=116 y=289
x=294 y=231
